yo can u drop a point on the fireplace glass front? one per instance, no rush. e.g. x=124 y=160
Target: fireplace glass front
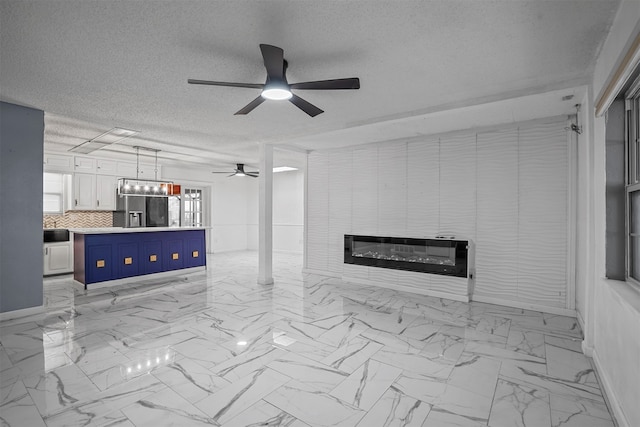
x=439 y=256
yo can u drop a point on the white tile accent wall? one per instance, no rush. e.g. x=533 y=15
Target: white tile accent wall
x=317 y=211
x=423 y=188
x=542 y=226
x=497 y=230
x=506 y=189
x=457 y=189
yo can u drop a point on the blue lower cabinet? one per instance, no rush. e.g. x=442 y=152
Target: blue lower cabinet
x=152 y=256
x=194 y=255
x=99 y=263
x=128 y=259
x=120 y=255
x=173 y=254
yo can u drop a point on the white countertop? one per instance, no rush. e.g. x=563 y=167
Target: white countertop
x=114 y=230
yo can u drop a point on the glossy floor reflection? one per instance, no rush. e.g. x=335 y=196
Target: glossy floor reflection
x=215 y=348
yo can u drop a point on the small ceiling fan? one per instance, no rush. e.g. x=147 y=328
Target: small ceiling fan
x=277 y=88
x=239 y=171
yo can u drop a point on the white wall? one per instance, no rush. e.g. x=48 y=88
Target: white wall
x=610 y=310
x=288 y=213
x=507 y=189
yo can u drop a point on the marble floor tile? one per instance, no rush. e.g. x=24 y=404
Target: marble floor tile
x=248 y=362
x=573 y=344
x=420 y=387
x=441 y=418
x=395 y=409
x=352 y=354
x=463 y=402
x=264 y=414
x=190 y=380
x=416 y=363
x=448 y=347
x=570 y=365
x=59 y=389
x=240 y=395
x=525 y=342
x=532 y=363
x=366 y=384
x=310 y=372
x=516 y=405
x=313 y=407
x=19 y=409
x=521 y=375
x=475 y=373
x=215 y=348
x=165 y=408
x=574 y=412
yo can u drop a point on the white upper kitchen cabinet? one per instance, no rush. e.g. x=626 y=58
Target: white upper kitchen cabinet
x=84 y=191
x=58 y=163
x=106 y=192
x=106 y=167
x=84 y=164
x=144 y=171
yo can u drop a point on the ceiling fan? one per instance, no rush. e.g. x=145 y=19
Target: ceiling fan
x=277 y=88
x=239 y=171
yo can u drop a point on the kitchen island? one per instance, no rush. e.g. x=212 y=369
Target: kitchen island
x=111 y=254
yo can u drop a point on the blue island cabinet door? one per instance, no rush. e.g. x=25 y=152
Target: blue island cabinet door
x=128 y=261
x=152 y=256
x=173 y=252
x=99 y=263
x=194 y=255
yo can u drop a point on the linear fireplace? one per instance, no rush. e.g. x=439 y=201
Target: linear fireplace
x=438 y=256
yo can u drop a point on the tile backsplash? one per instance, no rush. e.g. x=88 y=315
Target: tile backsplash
x=79 y=219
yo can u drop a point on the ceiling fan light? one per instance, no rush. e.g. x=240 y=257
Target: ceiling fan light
x=276 y=93
x=240 y=174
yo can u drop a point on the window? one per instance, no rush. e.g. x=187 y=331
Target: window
x=632 y=187
x=53 y=193
x=192 y=207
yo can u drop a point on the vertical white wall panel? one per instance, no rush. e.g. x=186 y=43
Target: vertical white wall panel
x=423 y=188
x=317 y=211
x=340 y=176
x=392 y=189
x=457 y=185
x=497 y=209
x=364 y=203
x=507 y=190
x=543 y=205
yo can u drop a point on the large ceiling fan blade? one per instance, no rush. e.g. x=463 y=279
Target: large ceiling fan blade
x=230 y=84
x=250 y=106
x=273 y=61
x=333 y=84
x=252 y=175
x=305 y=106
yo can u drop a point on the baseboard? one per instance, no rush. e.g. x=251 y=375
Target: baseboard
x=320 y=273
x=10 y=315
x=397 y=287
x=534 y=307
x=610 y=395
x=135 y=279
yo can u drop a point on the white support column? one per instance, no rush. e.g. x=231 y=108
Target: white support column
x=265 y=216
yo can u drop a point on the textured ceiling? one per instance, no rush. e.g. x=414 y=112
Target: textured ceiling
x=93 y=65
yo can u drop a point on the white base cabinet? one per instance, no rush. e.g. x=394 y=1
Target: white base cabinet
x=58 y=258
